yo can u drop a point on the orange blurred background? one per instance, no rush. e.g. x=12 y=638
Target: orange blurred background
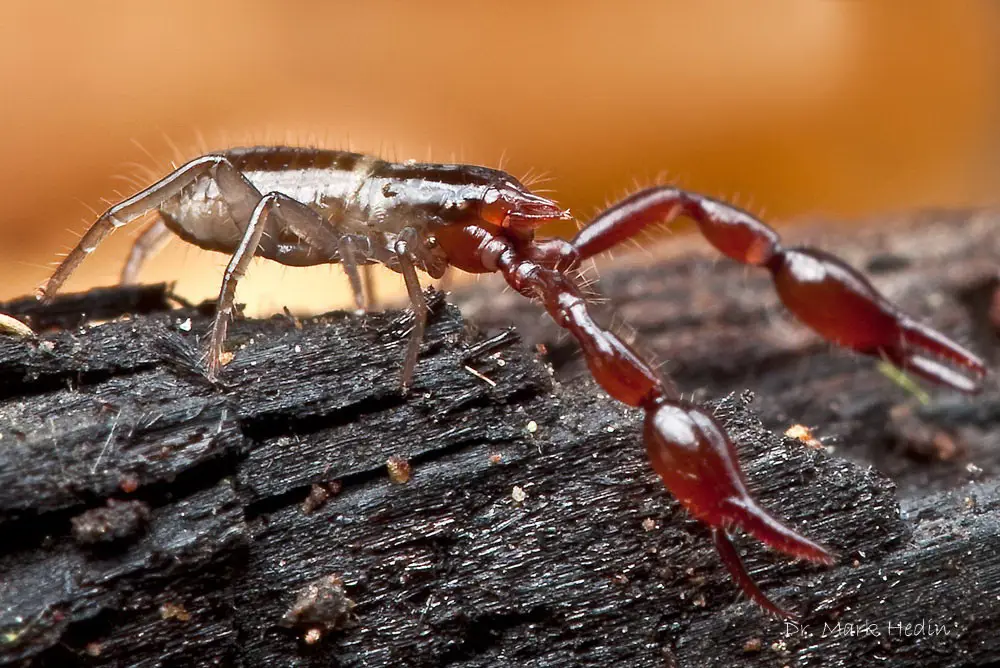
x=827 y=108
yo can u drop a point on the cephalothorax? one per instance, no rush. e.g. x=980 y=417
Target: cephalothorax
x=308 y=206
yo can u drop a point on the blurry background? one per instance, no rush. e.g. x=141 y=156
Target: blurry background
x=796 y=109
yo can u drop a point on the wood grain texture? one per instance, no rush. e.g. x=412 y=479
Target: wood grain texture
x=595 y=564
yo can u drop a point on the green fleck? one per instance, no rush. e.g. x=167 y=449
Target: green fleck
x=899 y=377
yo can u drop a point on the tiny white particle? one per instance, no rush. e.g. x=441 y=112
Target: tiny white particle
x=185 y=326
x=518 y=494
x=298 y=348
x=532 y=427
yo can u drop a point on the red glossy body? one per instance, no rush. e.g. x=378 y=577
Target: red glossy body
x=687 y=447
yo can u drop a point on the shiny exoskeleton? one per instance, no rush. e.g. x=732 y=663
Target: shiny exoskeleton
x=309 y=206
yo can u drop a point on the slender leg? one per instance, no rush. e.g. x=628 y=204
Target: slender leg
x=240 y=196
x=315 y=231
x=149 y=243
x=273 y=208
x=403 y=249
x=822 y=291
x=320 y=235
x=352 y=251
x=368 y=281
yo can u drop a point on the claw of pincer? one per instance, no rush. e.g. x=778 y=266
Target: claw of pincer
x=839 y=303
x=921 y=351
x=698 y=463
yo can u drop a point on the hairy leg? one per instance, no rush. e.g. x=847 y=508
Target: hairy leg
x=239 y=195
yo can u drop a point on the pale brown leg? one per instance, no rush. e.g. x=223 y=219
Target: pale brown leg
x=352 y=251
x=368 y=279
x=290 y=214
x=149 y=243
x=407 y=238
x=240 y=196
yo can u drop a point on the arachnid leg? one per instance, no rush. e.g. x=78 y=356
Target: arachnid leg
x=272 y=208
x=239 y=195
x=368 y=285
x=149 y=243
x=404 y=252
x=235 y=270
x=822 y=291
x=352 y=252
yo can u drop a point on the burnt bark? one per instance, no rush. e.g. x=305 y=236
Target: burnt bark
x=150 y=517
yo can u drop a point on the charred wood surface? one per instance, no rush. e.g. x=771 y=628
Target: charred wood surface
x=150 y=517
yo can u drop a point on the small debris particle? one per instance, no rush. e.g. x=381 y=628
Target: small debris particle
x=47 y=346
x=699 y=601
x=972 y=469
x=399 y=470
x=753 y=645
x=185 y=326
x=779 y=646
x=804 y=435
x=226 y=357
x=532 y=427
x=321 y=606
x=118 y=520
x=501 y=361
x=297 y=348
x=174 y=611
x=318 y=496
x=620 y=579
x=649 y=524
x=970 y=502
x=496 y=458
x=313 y=636
x=93 y=649
x=14 y=327
x=488 y=381
x=128 y=483
x=518 y=494
x=920 y=437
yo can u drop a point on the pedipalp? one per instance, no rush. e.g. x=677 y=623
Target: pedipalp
x=820 y=289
